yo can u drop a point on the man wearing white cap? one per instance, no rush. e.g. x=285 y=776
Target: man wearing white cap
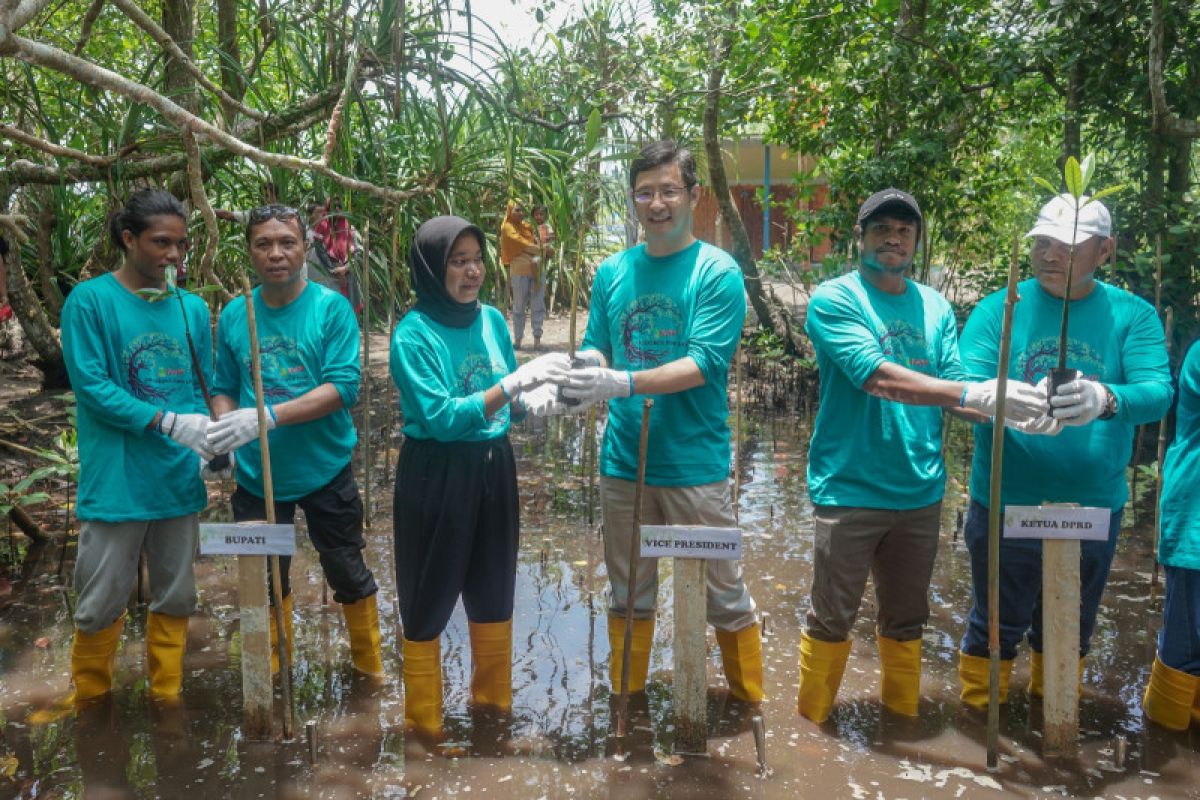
x=1116 y=346
x=887 y=350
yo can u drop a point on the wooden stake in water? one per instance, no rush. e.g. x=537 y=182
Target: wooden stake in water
x=994 y=515
x=635 y=552
x=1162 y=452
x=285 y=666
x=366 y=379
x=391 y=327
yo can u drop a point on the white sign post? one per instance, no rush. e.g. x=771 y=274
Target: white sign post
x=1061 y=528
x=691 y=546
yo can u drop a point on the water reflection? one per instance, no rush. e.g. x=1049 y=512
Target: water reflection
x=556 y=741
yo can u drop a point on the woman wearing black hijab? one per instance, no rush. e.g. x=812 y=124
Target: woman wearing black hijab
x=455 y=502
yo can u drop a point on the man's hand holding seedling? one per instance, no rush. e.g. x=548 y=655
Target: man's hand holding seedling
x=236 y=428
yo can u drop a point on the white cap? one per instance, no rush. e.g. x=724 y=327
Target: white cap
x=1057 y=220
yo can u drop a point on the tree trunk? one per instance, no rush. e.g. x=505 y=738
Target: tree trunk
x=46 y=220
x=42 y=336
x=178 y=83
x=772 y=315
x=231 y=54
x=1071 y=125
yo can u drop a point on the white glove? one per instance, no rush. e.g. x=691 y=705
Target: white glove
x=207 y=473
x=1038 y=426
x=544 y=402
x=1079 y=402
x=189 y=430
x=236 y=428
x=593 y=384
x=550 y=368
x=1022 y=402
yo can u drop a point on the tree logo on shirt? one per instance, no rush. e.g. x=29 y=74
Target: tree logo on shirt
x=155 y=366
x=1041 y=356
x=476 y=373
x=283 y=372
x=652 y=331
x=905 y=345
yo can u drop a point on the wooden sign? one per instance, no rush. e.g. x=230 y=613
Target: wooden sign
x=247 y=539
x=691 y=541
x=1056 y=522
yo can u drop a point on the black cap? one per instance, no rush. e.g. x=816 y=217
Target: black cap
x=888 y=198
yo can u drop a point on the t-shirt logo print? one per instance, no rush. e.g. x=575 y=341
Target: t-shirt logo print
x=652 y=331
x=905 y=345
x=1041 y=355
x=154 y=366
x=475 y=373
x=283 y=371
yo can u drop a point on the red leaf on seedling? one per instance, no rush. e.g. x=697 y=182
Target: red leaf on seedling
x=42 y=642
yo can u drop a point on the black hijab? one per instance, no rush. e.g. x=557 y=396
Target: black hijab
x=427 y=261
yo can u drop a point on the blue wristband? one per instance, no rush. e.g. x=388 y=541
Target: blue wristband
x=962 y=401
x=504 y=392
x=631 y=391
x=271 y=411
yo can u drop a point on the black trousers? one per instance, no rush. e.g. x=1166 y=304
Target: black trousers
x=335 y=527
x=456 y=532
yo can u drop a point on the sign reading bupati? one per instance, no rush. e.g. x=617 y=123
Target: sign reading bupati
x=1056 y=522
x=247 y=539
x=691 y=541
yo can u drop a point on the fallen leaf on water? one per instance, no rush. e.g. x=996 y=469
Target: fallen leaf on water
x=42 y=641
x=672 y=760
x=8 y=765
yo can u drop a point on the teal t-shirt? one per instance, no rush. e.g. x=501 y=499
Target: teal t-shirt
x=128 y=359
x=868 y=452
x=1114 y=337
x=648 y=311
x=1179 y=539
x=442 y=373
x=311 y=341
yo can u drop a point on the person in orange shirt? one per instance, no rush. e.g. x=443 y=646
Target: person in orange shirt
x=519 y=251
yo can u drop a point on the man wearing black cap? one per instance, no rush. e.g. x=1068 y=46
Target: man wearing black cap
x=887 y=351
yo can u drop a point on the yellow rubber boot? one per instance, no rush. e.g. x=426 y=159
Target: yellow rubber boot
x=166 y=637
x=362 y=624
x=1170 y=696
x=92 y=656
x=973 y=674
x=821 y=668
x=423 y=686
x=900 y=674
x=491 y=664
x=640 y=643
x=1037 y=673
x=287 y=629
x=741 y=655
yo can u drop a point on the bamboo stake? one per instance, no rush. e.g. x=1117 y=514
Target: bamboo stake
x=737 y=434
x=994 y=516
x=1162 y=451
x=391 y=326
x=285 y=665
x=366 y=381
x=635 y=551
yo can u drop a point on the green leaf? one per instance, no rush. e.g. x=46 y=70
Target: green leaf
x=33 y=499
x=1045 y=184
x=593 y=129
x=1073 y=177
x=1120 y=187
x=1089 y=166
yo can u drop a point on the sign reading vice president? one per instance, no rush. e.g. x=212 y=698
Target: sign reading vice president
x=691 y=541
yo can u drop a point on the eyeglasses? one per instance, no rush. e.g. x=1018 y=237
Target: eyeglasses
x=274 y=211
x=463 y=263
x=669 y=194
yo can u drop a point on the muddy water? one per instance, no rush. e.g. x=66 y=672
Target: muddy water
x=557 y=743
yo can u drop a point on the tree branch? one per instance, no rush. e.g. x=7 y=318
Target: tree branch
x=143 y=21
x=200 y=201
x=89 y=22
x=54 y=149
x=1163 y=119
x=93 y=75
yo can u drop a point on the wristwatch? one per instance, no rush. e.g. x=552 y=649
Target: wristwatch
x=1110 y=404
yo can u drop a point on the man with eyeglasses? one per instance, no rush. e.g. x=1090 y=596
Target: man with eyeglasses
x=887 y=352
x=1118 y=351
x=665 y=320
x=308 y=342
